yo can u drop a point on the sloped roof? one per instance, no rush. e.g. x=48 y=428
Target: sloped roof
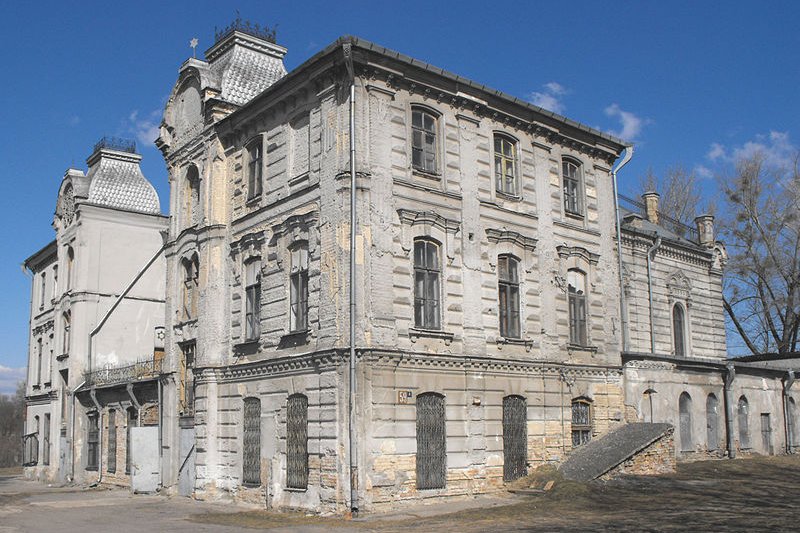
x=248 y=74
x=117 y=181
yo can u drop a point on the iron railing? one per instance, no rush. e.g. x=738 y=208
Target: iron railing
x=245 y=26
x=675 y=226
x=116 y=143
x=140 y=370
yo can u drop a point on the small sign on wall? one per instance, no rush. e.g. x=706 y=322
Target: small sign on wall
x=404 y=396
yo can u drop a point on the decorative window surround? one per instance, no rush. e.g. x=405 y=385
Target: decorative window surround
x=428 y=224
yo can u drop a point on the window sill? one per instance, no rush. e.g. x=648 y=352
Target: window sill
x=62 y=356
x=250 y=485
x=426 y=174
x=295 y=338
x=508 y=196
x=245 y=348
x=91 y=469
x=295 y=489
x=416 y=333
x=572 y=347
x=527 y=343
x=254 y=200
x=575 y=216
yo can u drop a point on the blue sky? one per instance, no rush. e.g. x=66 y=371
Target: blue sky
x=691 y=83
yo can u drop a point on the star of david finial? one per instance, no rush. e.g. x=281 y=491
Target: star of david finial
x=193 y=44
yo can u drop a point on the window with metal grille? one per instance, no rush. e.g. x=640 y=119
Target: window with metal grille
x=298 y=288
x=581 y=421
x=423 y=140
x=297 y=442
x=92 y=441
x=251 y=442
x=426 y=284
x=505 y=164
x=515 y=438
x=712 y=422
x=255 y=168
x=112 y=441
x=685 y=422
x=508 y=295
x=431 y=441
x=252 y=319
x=132 y=419
x=571 y=179
x=678 y=330
x=743 y=415
x=187 y=378
x=46 y=440
x=576 y=294
x=191 y=273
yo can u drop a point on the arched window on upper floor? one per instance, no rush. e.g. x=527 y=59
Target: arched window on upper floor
x=572 y=184
x=192 y=196
x=190 y=267
x=427 y=271
x=576 y=295
x=508 y=296
x=506 y=165
x=252 y=299
x=70 y=267
x=679 y=330
x=424 y=144
x=255 y=167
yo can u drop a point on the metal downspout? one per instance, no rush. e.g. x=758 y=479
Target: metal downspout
x=93 y=395
x=729 y=376
x=623 y=311
x=788 y=428
x=347 y=49
x=652 y=250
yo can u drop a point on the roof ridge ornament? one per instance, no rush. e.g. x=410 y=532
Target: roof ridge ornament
x=245 y=26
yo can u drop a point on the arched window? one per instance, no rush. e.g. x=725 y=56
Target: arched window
x=581 y=421
x=192 y=192
x=55 y=282
x=679 y=330
x=298 y=287
x=431 y=441
x=423 y=140
x=427 y=314
x=647 y=405
x=508 y=296
x=191 y=273
x=571 y=183
x=251 y=442
x=515 y=438
x=42 y=289
x=743 y=416
x=252 y=317
x=65 y=335
x=70 y=266
x=46 y=440
x=255 y=168
x=712 y=422
x=576 y=294
x=791 y=422
x=685 y=415
x=297 y=442
x=505 y=164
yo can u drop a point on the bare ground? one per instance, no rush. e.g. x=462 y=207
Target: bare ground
x=754 y=494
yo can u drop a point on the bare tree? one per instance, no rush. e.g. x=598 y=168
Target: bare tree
x=761 y=230
x=679 y=192
x=12 y=418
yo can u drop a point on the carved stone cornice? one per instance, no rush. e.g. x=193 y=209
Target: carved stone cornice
x=43 y=328
x=565 y=251
x=513 y=237
x=413 y=218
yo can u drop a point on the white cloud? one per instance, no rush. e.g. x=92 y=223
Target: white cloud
x=9 y=377
x=549 y=97
x=631 y=125
x=703 y=172
x=145 y=129
x=776 y=148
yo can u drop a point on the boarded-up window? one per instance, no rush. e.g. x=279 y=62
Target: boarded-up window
x=92 y=441
x=508 y=289
x=712 y=422
x=685 y=415
x=743 y=416
x=426 y=284
x=251 y=442
x=766 y=434
x=297 y=442
x=112 y=441
x=431 y=441
x=581 y=421
x=515 y=438
x=252 y=300
x=576 y=293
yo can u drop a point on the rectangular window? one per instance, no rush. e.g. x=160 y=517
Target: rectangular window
x=92 y=441
x=298 y=288
x=38 y=362
x=297 y=442
x=55 y=281
x=253 y=300
x=576 y=294
x=112 y=441
x=571 y=182
x=423 y=140
x=42 y=289
x=508 y=289
x=426 y=285
x=251 y=442
x=46 y=440
x=505 y=164
x=255 y=169
x=431 y=441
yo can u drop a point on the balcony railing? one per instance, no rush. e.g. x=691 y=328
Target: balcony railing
x=138 y=371
x=675 y=226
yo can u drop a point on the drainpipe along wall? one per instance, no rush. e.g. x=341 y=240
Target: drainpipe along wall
x=730 y=374
x=622 y=303
x=787 y=425
x=650 y=256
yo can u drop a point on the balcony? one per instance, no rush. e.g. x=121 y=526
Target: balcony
x=142 y=370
